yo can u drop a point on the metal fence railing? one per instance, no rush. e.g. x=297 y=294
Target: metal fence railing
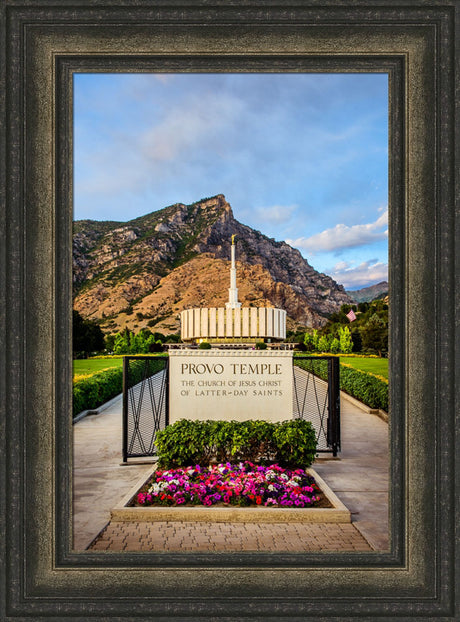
x=145 y=403
x=316 y=397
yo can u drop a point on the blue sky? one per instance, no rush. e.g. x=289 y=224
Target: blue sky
x=301 y=157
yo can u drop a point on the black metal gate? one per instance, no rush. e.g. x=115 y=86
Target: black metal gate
x=145 y=403
x=316 y=397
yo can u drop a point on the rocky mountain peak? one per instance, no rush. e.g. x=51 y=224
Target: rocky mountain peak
x=145 y=271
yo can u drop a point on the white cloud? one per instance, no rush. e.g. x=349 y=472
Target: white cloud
x=191 y=125
x=355 y=277
x=275 y=214
x=342 y=236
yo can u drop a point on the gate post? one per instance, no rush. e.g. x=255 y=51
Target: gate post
x=333 y=428
x=125 y=409
x=166 y=371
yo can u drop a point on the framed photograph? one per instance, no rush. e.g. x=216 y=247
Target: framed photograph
x=44 y=48
x=297 y=154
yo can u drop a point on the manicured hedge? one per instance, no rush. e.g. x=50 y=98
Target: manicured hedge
x=102 y=386
x=364 y=387
x=186 y=442
x=97 y=389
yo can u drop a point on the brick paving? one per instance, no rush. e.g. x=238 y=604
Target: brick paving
x=203 y=536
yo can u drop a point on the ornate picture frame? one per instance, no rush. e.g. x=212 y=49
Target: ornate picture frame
x=43 y=45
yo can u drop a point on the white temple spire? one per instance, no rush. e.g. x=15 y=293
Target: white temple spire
x=233 y=290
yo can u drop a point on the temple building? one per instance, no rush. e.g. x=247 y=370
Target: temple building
x=233 y=324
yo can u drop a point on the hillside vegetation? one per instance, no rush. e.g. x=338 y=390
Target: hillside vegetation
x=142 y=273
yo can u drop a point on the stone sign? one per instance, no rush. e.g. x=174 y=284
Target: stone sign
x=223 y=384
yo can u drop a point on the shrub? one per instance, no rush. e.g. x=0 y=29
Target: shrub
x=364 y=387
x=186 y=442
x=295 y=442
x=261 y=345
x=204 y=345
x=156 y=346
x=93 y=391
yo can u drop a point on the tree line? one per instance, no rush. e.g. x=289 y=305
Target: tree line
x=88 y=339
x=368 y=333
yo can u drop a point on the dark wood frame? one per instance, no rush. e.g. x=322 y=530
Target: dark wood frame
x=43 y=43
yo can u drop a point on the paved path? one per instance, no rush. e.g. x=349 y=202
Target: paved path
x=359 y=478
x=99 y=480
x=274 y=537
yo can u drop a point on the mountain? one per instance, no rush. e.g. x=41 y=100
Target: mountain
x=145 y=271
x=366 y=294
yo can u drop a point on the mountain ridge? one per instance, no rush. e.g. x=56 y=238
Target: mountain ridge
x=367 y=294
x=118 y=267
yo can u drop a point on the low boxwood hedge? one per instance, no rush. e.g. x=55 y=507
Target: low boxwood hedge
x=364 y=387
x=186 y=442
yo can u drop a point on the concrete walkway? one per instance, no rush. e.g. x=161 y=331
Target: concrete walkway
x=359 y=477
x=99 y=479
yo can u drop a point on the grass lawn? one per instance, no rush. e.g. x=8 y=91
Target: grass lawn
x=90 y=366
x=375 y=366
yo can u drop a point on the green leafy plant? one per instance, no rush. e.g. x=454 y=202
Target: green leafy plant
x=364 y=387
x=261 y=345
x=186 y=442
x=204 y=345
x=295 y=441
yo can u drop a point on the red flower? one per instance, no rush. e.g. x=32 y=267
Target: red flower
x=258 y=499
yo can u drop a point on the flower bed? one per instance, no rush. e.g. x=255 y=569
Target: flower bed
x=242 y=485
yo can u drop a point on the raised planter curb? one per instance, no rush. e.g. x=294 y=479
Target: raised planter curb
x=339 y=513
x=367 y=409
x=98 y=410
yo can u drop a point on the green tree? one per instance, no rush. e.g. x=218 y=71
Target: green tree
x=323 y=344
x=315 y=341
x=335 y=346
x=109 y=341
x=87 y=336
x=309 y=342
x=374 y=334
x=155 y=345
x=345 y=341
x=173 y=338
x=122 y=342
